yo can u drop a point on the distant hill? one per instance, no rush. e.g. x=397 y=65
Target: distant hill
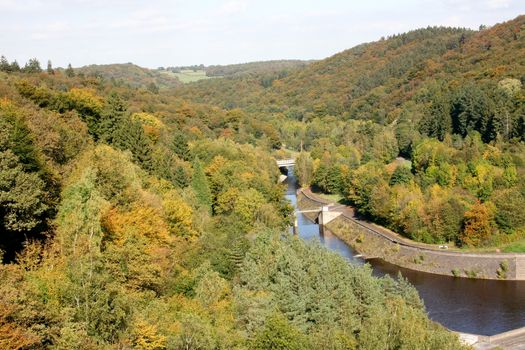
x=131 y=74
x=230 y=70
x=371 y=81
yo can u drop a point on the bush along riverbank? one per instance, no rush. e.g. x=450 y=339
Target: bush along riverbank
x=373 y=243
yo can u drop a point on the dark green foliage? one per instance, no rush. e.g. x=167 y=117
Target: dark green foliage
x=402 y=175
x=130 y=136
x=69 y=71
x=15 y=67
x=112 y=119
x=472 y=109
x=179 y=146
x=32 y=66
x=180 y=178
x=437 y=121
x=16 y=136
x=328 y=178
x=21 y=195
x=199 y=184
x=4 y=65
x=50 y=69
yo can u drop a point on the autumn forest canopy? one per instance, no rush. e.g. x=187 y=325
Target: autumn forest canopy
x=138 y=212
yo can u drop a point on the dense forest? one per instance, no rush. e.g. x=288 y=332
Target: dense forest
x=230 y=70
x=136 y=219
x=422 y=132
x=130 y=75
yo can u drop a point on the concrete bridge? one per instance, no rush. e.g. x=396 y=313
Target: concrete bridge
x=285 y=162
x=325 y=214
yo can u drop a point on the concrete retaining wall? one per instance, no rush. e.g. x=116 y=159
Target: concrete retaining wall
x=374 y=244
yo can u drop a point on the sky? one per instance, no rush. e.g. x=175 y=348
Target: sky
x=165 y=33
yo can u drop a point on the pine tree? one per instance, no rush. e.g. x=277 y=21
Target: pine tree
x=200 y=186
x=69 y=71
x=180 y=146
x=4 y=65
x=50 y=69
x=32 y=66
x=130 y=136
x=111 y=118
x=179 y=177
x=15 y=67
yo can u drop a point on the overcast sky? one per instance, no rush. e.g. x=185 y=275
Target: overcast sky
x=170 y=33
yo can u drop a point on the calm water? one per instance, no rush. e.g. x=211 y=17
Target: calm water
x=464 y=305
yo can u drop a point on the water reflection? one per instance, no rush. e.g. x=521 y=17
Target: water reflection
x=471 y=306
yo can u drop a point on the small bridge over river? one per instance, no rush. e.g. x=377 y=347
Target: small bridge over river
x=285 y=162
x=325 y=214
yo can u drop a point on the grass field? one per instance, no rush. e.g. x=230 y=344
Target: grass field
x=189 y=76
x=516 y=247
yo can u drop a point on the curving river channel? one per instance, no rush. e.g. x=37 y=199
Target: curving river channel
x=483 y=307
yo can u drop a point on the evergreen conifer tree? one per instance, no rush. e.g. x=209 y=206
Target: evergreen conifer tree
x=50 y=69
x=130 y=136
x=69 y=71
x=4 y=65
x=15 y=67
x=179 y=177
x=32 y=66
x=200 y=186
x=180 y=146
x=112 y=118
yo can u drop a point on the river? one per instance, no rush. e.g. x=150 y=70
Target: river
x=484 y=307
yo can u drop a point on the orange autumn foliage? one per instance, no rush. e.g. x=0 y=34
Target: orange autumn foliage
x=143 y=221
x=477 y=224
x=12 y=335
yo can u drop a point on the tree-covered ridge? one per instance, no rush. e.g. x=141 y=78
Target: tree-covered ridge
x=243 y=68
x=135 y=219
x=131 y=75
x=372 y=81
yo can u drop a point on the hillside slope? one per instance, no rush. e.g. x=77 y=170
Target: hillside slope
x=130 y=74
x=371 y=81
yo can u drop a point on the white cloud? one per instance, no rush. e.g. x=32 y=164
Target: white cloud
x=52 y=30
x=21 y=5
x=498 y=4
x=233 y=7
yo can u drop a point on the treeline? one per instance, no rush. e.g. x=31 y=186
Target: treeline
x=230 y=70
x=134 y=219
x=131 y=76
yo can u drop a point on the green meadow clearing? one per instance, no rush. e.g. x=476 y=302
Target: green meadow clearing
x=189 y=76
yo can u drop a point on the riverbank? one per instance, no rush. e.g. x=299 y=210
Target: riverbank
x=376 y=242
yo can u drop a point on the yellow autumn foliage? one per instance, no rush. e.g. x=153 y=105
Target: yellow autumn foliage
x=152 y=125
x=178 y=215
x=146 y=337
x=140 y=220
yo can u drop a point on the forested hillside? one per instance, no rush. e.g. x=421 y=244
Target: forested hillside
x=130 y=75
x=244 y=68
x=134 y=219
x=449 y=101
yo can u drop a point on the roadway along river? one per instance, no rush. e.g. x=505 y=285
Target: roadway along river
x=470 y=306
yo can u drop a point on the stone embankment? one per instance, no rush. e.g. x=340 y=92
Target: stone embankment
x=377 y=242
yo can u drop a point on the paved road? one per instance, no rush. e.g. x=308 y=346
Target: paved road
x=512 y=343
